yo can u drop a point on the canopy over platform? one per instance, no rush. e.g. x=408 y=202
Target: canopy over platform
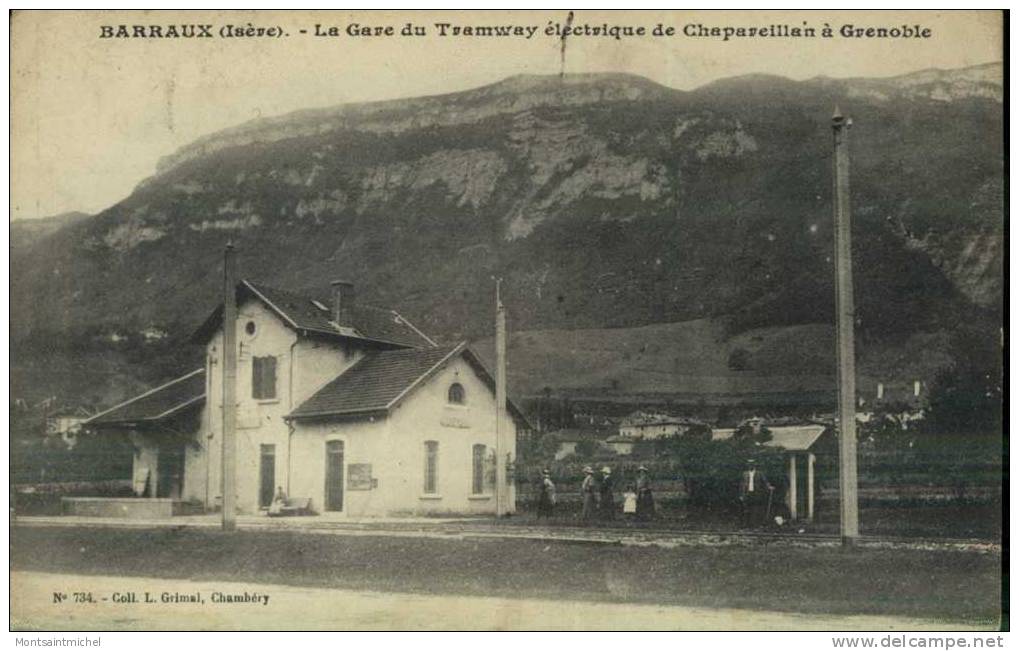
x=165 y=401
x=794 y=440
x=799 y=438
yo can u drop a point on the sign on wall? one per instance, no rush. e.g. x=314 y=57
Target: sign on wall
x=359 y=476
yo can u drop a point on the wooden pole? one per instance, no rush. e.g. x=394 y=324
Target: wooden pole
x=845 y=315
x=229 y=389
x=810 y=486
x=792 y=487
x=500 y=401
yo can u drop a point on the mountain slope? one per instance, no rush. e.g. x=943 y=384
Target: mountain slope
x=602 y=200
x=27 y=232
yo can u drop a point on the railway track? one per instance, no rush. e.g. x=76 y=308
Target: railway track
x=486 y=529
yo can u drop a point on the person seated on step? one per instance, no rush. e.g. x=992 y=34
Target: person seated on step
x=279 y=502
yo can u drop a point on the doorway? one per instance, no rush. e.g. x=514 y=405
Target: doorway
x=267 y=475
x=170 y=471
x=334 y=476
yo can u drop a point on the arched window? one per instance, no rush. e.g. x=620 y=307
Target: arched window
x=456 y=394
x=431 y=467
x=478 y=454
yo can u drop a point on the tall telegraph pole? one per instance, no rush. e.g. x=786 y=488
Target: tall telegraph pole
x=845 y=315
x=500 y=401
x=229 y=388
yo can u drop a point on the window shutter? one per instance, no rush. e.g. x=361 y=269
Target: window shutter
x=263 y=378
x=256 y=378
x=269 y=378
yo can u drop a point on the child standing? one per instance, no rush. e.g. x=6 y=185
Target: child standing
x=630 y=503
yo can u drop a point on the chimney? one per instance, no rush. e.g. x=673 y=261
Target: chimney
x=343 y=302
x=880 y=390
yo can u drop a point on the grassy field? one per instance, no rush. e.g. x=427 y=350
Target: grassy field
x=691 y=358
x=955 y=586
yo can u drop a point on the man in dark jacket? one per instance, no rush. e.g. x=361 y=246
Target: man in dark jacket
x=607 y=501
x=755 y=492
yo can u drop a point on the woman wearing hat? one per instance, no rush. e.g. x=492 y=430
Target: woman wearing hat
x=607 y=501
x=547 y=498
x=587 y=494
x=645 y=501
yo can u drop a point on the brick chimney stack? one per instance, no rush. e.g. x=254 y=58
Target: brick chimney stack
x=343 y=302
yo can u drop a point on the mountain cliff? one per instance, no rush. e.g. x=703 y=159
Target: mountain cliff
x=603 y=200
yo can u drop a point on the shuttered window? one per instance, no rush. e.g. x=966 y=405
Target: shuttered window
x=478 y=469
x=431 y=467
x=263 y=378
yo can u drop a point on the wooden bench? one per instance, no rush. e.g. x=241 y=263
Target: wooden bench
x=292 y=506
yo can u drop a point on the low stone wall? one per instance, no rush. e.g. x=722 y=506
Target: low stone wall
x=120 y=507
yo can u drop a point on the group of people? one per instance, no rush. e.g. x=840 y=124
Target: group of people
x=599 y=496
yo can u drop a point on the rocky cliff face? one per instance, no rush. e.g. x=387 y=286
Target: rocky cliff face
x=603 y=200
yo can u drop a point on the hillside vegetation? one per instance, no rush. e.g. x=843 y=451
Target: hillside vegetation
x=604 y=201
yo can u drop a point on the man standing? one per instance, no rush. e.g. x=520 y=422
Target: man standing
x=607 y=501
x=754 y=494
x=587 y=494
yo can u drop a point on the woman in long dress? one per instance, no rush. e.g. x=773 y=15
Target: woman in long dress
x=547 y=497
x=645 y=500
x=587 y=494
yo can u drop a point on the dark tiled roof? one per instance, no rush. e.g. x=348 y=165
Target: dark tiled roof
x=163 y=401
x=375 y=382
x=301 y=312
x=575 y=435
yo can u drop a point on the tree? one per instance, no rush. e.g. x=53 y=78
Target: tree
x=966 y=398
x=739 y=359
x=587 y=448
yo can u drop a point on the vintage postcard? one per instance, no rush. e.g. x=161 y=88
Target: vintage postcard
x=507 y=320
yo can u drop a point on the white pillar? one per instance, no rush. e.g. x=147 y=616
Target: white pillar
x=792 y=487
x=810 y=486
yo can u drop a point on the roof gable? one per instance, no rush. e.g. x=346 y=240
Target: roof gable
x=379 y=326
x=378 y=382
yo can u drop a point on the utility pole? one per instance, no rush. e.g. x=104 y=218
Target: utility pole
x=845 y=315
x=500 y=400
x=229 y=388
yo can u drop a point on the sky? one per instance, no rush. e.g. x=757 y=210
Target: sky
x=91 y=116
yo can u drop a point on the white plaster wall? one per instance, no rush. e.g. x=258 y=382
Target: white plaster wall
x=196 y=460
x=649 y=432
x=365 y=440
x=425 y=415
x=258 y=421
x=302 y=367
x=318 y=363
x=566 y=448
x=146 y=458
x=395 y=447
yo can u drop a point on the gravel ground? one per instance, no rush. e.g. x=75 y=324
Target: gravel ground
x=955 y=586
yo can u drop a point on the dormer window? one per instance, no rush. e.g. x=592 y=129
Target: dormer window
x=456 y=394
